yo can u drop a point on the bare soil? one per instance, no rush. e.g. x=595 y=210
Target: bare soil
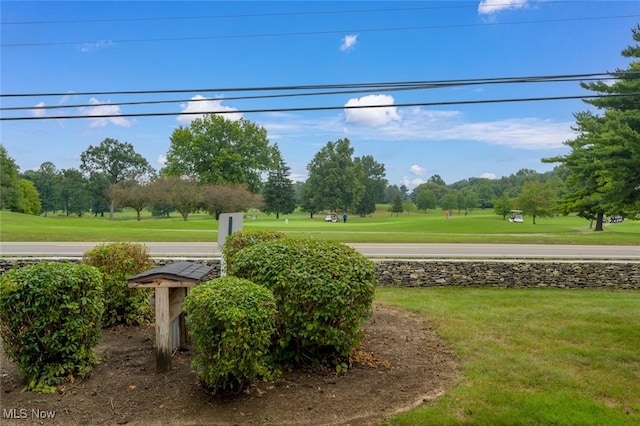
x=402 y=364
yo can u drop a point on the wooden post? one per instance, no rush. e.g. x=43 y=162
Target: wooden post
x=163 y=332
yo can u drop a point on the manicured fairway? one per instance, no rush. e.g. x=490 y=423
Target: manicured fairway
x=479 y=226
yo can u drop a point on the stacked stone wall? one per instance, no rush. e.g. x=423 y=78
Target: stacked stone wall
x=622 y=275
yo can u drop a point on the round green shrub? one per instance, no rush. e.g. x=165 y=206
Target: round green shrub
x=117 y=262
x=241 y=239
x=324 y=291
x=50 y=321
x=232 y=323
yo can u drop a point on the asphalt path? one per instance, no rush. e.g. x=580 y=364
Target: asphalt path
x=435 y=251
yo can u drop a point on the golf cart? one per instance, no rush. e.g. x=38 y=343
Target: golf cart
x=516 y=216
x=331 y=217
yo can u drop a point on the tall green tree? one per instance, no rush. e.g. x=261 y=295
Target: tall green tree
x=308 y=200
x=9 y=182
x=334 y=180
x=279 y=194
x=46 y=180
x=536 y=199
x=426 y=199
x=397 y=206
x=73 y=192
x=503 y=205
x=220 y=151
x=374 y=182
x=604 y=160
x=117 y=160
x=29 y=198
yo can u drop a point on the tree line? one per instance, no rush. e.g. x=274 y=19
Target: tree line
x=217 y=165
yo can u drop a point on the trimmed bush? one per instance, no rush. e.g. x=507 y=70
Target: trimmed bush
x=324 y=291
x=232 y=323
x=117 y=262
x=241 y=239
x=50 y=321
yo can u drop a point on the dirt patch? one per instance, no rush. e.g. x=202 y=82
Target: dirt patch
x=401 y=365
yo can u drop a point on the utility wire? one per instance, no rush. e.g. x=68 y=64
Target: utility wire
x=265 y=15
x=369 y=86
x=327 y=108
x=309 y=33
x=391 y=88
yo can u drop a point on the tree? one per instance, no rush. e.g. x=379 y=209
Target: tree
x=426 y=199
x=130 y=194
x=449 y=201
x=502 y=206
x=536 y=199
x=397 y=206
x=308 y=201
x=182 y=194
x=279 y=194
x=29 y=198
x=334 y=180
x=9 y=178
x=374 y=183
x=219 y=199
x=221 y=151
x=46 y=181
x=390 y=193
x=116 y=160
x=98 y=188
x=605 y=156
x=73 y=192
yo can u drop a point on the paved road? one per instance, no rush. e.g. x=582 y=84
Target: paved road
x=506 y=251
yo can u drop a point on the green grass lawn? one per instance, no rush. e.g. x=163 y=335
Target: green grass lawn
x=532 y=357
x=381 y=227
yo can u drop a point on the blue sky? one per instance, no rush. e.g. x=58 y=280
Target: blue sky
x=87 y=47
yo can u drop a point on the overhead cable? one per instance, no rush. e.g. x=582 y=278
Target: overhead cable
x=324 y=108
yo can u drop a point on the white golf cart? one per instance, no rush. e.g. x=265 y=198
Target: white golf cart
x=516 y=216
x=331 y=217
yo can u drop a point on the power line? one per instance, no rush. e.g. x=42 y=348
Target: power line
x=326 y=108
x=310 y=33
x=272 y=14
x=371 y=86
x=239 y=16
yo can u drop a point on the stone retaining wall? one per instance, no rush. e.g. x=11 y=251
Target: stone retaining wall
x=509 y=273
x=464 y=273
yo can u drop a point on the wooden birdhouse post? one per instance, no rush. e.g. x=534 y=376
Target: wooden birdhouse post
x=170 y=283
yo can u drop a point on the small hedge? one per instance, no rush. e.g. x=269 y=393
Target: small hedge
x=232 y=323
x=50 y=320
x=324 y=291
x=241 y=239
x=117 y=262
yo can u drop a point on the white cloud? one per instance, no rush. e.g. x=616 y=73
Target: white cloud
x=411 y=183
x=348 y=42
x=417 y=170
x=489 y=7
x=487 y=175
x=162 y=159
x=198 y=106
x=38 y=110
x=374 y=117
x=421 y=125
x=99 y=109
x=89 y=47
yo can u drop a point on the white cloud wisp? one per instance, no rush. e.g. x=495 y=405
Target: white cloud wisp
x=198 y=106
